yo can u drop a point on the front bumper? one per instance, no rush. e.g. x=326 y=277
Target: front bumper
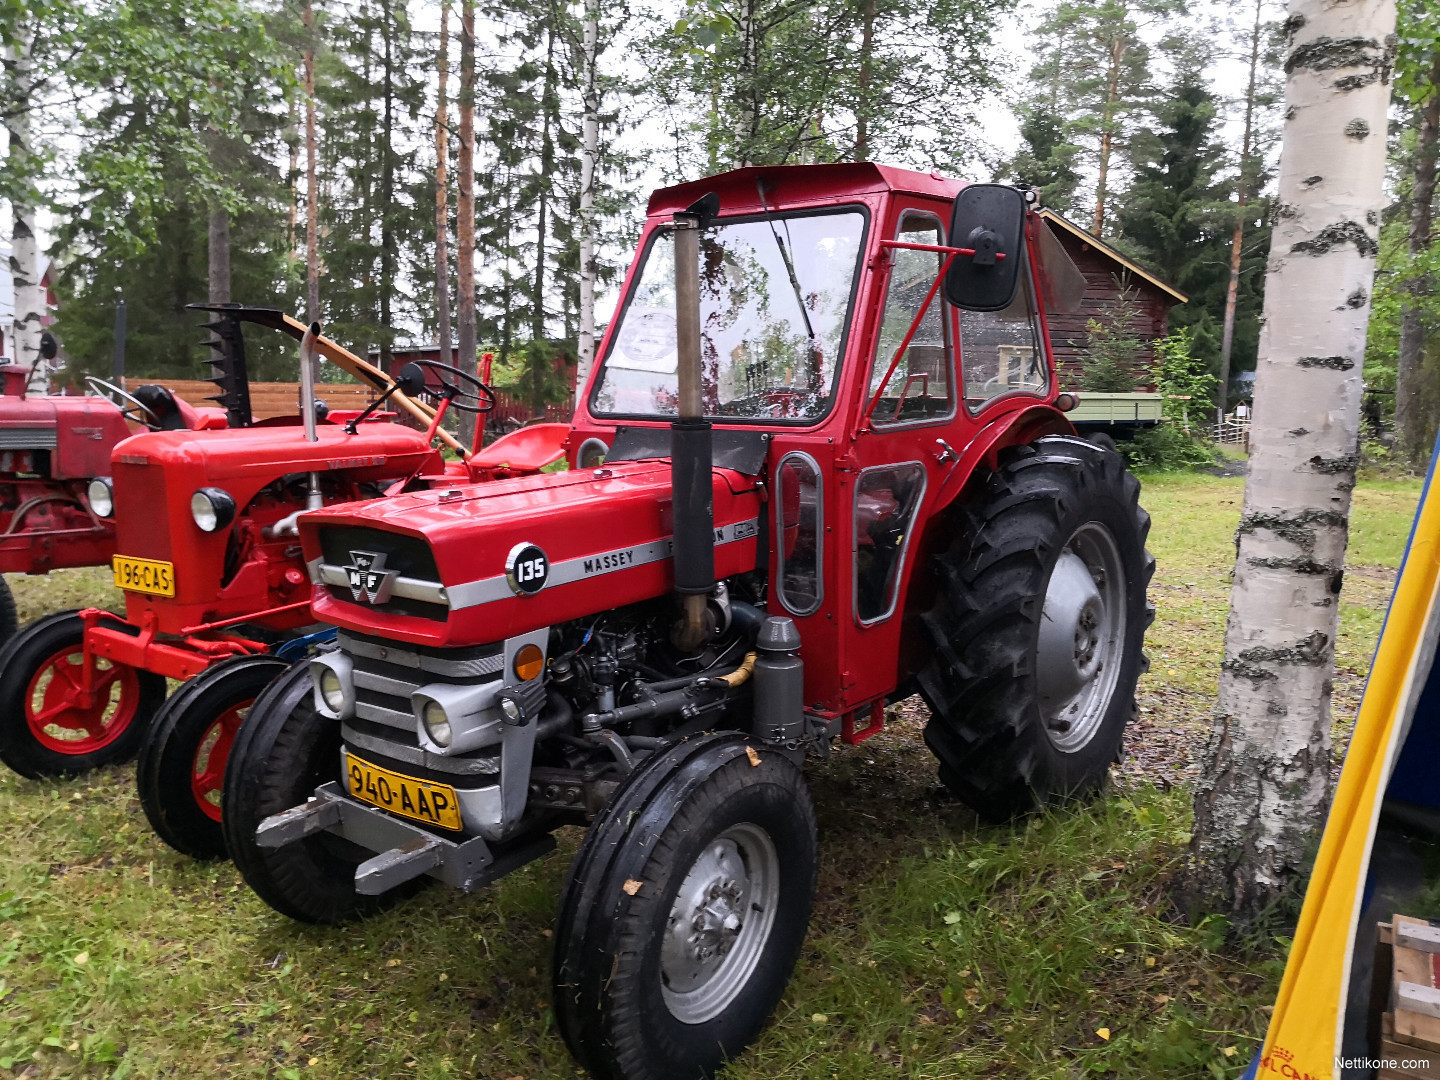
x=405 y=851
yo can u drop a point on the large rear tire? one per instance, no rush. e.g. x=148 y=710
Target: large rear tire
x=49 y=726
x=684 y=911
x=180 y=772
x=1038 y=627
x=284 y=751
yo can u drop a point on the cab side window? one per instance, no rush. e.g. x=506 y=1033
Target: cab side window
x=1000 y=351
x=921 y=387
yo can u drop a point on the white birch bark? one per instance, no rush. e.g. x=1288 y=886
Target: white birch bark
x=589 y=151
x=29 y=294
x=1264 y=785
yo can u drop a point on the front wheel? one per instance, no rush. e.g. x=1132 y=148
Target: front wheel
x=684 y=911
x=181 y=768
x=1038 y=627
x=283 y=752
x=51 y=724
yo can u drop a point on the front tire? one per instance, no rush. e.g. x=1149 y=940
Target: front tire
x=1038 y=628
x=180 y=772
x=49 y=726
x=9 y=616
x=284 y=751
x=684 y=911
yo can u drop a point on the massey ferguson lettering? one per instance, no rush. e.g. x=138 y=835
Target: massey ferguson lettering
x=614 y=560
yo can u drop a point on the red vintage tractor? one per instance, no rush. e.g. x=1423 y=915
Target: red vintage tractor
x=836 y=472
x=217 y=594
x=50 y=450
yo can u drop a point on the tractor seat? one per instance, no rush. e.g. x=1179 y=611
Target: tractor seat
x=175 y=414
x=528 y=450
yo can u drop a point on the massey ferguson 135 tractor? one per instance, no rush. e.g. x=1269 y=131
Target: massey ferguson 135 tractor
x=50 y=450
x=216 y=591
x=826 y=484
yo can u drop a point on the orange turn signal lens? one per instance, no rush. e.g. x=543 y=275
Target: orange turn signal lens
x=529 y=663
x=1066 y=402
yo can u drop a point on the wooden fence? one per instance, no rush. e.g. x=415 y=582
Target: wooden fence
x=283 y=399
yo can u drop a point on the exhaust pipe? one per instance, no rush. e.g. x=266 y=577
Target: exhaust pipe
x=309 y=361
x=690 y=445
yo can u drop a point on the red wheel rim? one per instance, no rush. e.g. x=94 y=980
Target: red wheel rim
x=207 y=768
x=62 y=718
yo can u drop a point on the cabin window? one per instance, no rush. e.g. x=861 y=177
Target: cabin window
x=921 y=387
x=886 y=499
x=1001 y=351
x=799 y=541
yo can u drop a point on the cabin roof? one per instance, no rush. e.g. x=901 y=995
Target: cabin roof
x=1062 y=222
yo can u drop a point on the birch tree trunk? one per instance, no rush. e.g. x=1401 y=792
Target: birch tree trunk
x=25 y=272
x=312 y=192
x=1265 y=773
x=442 y=193
x=465 y=209
x=589 y=151
x=1242 y=195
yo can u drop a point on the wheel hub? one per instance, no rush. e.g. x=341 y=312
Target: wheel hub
x=1081 y=637
x=719 y=923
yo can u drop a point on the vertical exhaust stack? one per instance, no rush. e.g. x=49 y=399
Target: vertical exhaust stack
x=690 y=445
x=309 y=361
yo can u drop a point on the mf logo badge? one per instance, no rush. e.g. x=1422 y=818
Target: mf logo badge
x=526 y=569
x=369 y=580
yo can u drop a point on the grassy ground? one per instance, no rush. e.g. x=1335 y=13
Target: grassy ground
x=940 y=948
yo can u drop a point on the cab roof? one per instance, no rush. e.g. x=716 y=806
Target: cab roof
x=789 y=186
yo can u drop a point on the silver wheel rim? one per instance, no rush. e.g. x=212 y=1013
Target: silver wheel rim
x=720 y=923
x=1082 y=637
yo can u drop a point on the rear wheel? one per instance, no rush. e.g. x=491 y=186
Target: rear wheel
x=1038 y=627
x=50 y=724
x=283 y=752
x=684 y=912
x=181 y=769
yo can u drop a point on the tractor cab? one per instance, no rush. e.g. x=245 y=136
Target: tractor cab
x=849 y=322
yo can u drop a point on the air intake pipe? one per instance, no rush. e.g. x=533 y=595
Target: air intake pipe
x=690 y=445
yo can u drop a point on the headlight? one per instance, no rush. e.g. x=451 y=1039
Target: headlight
x=331 y=691
x=101 y=495
x=437 y=724
x=212 y=509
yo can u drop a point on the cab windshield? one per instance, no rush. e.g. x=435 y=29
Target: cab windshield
x=770 y=340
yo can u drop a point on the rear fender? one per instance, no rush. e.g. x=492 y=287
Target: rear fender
x=981 y=455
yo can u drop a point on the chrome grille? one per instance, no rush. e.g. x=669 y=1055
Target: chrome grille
x=40 y=438
x=386 y=674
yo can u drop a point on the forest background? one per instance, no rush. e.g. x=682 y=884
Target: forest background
x=164 y=154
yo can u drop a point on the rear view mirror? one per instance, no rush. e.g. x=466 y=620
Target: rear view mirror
x=990 y=219
x=411 y=380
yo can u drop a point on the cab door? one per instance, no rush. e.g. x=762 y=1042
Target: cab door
x=912 y=393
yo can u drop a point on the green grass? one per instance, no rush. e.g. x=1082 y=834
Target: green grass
x=940 y=948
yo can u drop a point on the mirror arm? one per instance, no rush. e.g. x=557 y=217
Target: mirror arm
x=969 y=252
x=914 y=324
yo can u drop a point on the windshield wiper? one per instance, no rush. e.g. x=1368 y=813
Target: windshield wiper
x=794 y=281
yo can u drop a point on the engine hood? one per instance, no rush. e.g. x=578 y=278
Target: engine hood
x=475 y=563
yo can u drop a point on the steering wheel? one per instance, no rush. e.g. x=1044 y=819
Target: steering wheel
x=131 y=407
x=778 y=402
x=481 y=399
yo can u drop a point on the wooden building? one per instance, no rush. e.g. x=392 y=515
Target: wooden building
x=1108 y=274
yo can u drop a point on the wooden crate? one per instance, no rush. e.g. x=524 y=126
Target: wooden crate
x=1410 y=1032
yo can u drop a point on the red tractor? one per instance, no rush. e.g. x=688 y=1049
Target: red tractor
x=821 y=464
x=50 y=450
x=217 y=595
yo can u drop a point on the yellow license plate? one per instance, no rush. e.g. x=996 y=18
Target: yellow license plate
x=434 y=804
x=144 y=575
